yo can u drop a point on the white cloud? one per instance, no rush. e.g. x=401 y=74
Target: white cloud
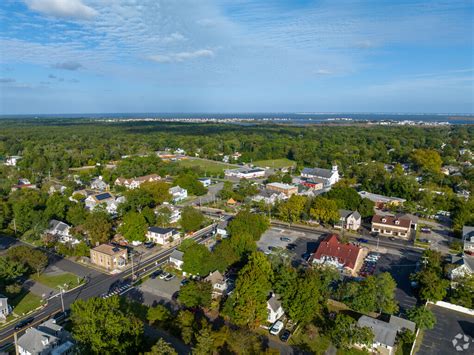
x=70 y=65
x=323 y=72
x=181 y=56
x=174 y=37
x=62 y=8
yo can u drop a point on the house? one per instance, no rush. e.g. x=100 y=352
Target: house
x=205 y=181
x=468 y=239
x=349 y=220
x=463 y=266
x=269 y=197
x=178 y=193
x=222 y=226
x=325 y=176
x=134 y=183
x=309 y=183
x=175 y=213
x=385 y=333
x=245 y=173
x=382 y=201
x=218 y=282
x=83 y=194
x=162 y=236
x=23 y=184
x=333 y=253
x=48 y=339
x=180 y=151
x=391 y=226
x=105 y=199
x=109 y=256
x=62 y=231
x=99 y=184
x=286 y=189
x=5 y=308
x=274 y=309
x=12 y=160
x=176 y=258
x=56 y=188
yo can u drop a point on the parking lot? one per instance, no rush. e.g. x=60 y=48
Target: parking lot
x=163 y=290
x=452 y=334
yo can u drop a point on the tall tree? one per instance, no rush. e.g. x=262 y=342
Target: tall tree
x=324 y=210
x=98 y=227
x=423 y=317
x=195 y=294
x=249 y=223
x=290 y=211
x=134 y=227
x=162 y=348
x=191 y=219
x=158 y=190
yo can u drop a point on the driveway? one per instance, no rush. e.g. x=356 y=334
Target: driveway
x=166 y=290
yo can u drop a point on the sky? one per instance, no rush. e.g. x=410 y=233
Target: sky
x=104 y=56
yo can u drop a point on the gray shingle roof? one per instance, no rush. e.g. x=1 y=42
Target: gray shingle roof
x=160 y=230
x=36 y=341
x=274 y=302
x=324 y=173
x=176 y=254
x=384 y=333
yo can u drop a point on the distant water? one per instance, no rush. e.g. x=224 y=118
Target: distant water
x=296 y=118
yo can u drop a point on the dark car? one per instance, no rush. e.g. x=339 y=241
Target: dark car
x=285 y=239
x=24 y=323
x=156 y=273
x=291 y=246
x=362 y=240
x=60 y=316
x=425 y=230
x=306 y=256
x=285 y=335
x=149 y=245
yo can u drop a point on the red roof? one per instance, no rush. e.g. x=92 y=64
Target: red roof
x=331 y=247
x=392 y=221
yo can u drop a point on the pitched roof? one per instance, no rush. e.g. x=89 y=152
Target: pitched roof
x=384 y=333
x=109 y=249
x=103 y=196
x=176 y=254
x=402 y=323
x=36 y=341
x=331 y=247
x=318 y=172
x=160 y=230
x=274 y=302
x=467 y=232
x=215 y=277
x=392 y=221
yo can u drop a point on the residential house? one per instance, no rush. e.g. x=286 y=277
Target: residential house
x=382 y=201
x=468 y=239
x=12 y=160
x=83 y=194
x=325 y=176
x=5 y=308
x=162 y=236
x=176 y=259
x=62 y=231
x=180 y=151
x=134 y=183
x=178 y=193
x=218 y=282
x=385 y=333
x=99 y=184
x=23 y=184
x=175 y=214
x=463 y=266
x=269 y=197
x=286 y=189
x=221 y=229
x=48 y=338
x=245 y=173
x=205 y=181
x=274 y=309
x=331 y=252
x=105 y=199
x=56 y=188
x=391 y=226
x=109 y=256
x=349 y=220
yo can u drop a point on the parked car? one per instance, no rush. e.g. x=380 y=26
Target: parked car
x=276 y=327
x=285 y=336
x=285 y=239
x=362 y=240
x=24 y=323
x=291 y=246
x=169 y=277
x=392 y=238
x=156 y=273
x=164 y=275
x=149 y=245
x=425 y=230
x=184 y=282
x=60 y=316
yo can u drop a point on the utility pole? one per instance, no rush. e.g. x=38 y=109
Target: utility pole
x=16 y=343
x=62 y=300
x=133 y=273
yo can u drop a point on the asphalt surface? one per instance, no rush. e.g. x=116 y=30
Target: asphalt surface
x=452 y=334
x=98 y=284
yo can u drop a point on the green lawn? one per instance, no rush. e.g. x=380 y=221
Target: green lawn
x=275 y=163
x=209 y=166
x=24 y=303
x=54 y=281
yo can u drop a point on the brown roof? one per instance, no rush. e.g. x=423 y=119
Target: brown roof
x=141 y=179
x=392 y=221
x=346 y=253
x=109 y=249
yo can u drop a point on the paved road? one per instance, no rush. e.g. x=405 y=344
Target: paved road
x=211 y=195
x=96 y=286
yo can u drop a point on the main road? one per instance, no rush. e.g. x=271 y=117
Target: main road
x=96 y=286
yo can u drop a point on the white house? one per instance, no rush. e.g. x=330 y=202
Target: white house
x=175 y=212
x=244 y=173
x=5 y=308
x=162 y=236
x=48 y=338
x=205 y=181
x=62 y=231
x=99 y=184
x=178 y=193
x=468 y=239
x=176 y=258
x=12 y=161
x=222 y=226
x=349 y=220
x=464 y=266
x=105 y=199
x=274 y=309
x=326 y=176
x=269 y=197
x=134 y=183
x=218 y=282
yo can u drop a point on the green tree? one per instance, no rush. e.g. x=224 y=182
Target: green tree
x=249 y=223
x=431 y=286
x=158 y=190
x=186 y=325
x=191 y=183
x=324 y=210
x=423 y=317
x=162 y=348
x=76 y=214
x=427 y=160
x=191 y=219
x=136 y=200
x=163 y=216
x=195 y=294
x=35 y=259
x=345 y=332
x=10 y=269
x=463 y=292
x=158 y=314
x=366 y=208
x=204 y=342
x=133 y=227
x=197 y=259
x=56 y=206
x=98 y=227
x=291 y=210
x=345 y=197
x=100 y=326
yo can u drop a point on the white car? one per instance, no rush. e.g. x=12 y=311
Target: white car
x=164 y=275
x=277 y=327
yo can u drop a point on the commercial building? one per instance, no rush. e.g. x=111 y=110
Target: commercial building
x=109 y=257
x=330 y=251
x=391 y=226
x=287 y=189
x=244 y=173
x=327 y=177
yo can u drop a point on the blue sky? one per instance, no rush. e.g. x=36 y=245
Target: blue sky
x=93 y=56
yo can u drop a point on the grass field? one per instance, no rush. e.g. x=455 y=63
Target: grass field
x=209 y=166
x=25 y=303
x=275 y=163
x=53 y=281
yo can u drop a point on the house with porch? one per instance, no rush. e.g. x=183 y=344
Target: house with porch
x=218 y=282
x=162 y=236
x=349 y=220
x=135 y=182
x=178 y=193
x=392 y=226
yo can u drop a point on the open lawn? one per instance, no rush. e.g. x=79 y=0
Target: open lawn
x=53 y=281
x=275 y=163
x=208 y=166
x=25 y=302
